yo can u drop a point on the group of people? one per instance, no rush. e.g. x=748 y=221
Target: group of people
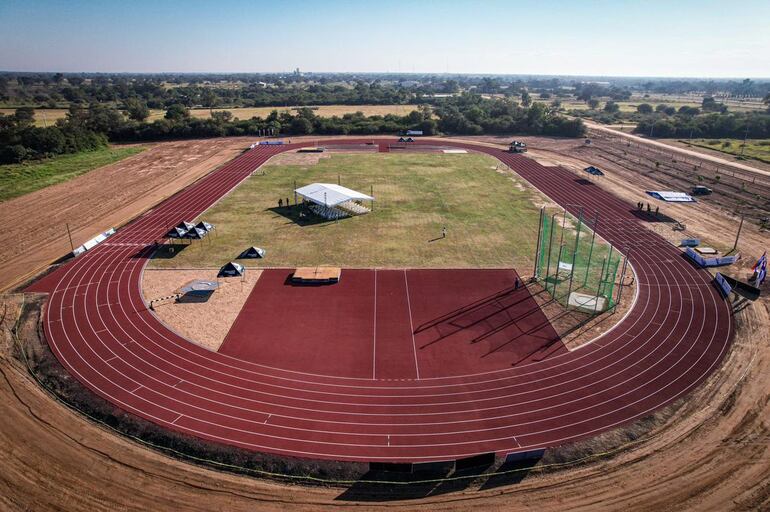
x=640 y=207
x=280 y=202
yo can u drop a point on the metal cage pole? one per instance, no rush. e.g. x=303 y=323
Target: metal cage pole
x=574 y=255
x=536 y=272
x=591 y=250
x=599 y=287
x=550 y=249
x=622 y=277
x=556 y=277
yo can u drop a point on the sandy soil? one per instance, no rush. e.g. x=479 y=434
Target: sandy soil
x=713 y=454
x=720 y=158
x=204 y=323
x=103 y=198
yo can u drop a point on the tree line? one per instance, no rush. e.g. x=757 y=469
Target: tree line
x=733 y=125
x=86 y=128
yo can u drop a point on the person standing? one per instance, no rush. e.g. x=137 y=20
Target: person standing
x=280 y=202
x=443 y=232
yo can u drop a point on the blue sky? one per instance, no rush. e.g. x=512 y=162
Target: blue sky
x=625 y=38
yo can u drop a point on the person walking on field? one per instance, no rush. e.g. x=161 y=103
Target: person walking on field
x=280 y=202
x=443 y=232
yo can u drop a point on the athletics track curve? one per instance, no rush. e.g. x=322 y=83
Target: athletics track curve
x=99 y=328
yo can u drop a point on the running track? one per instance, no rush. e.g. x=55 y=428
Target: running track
x=97 y=325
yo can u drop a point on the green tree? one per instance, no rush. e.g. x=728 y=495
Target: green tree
x=222 y=116
x=103 y=118
x=177 y=112
x=593 y=103
x=209 y=99
x=644 y=108
x=526 y=99
x=24 y=116
x=301 y=126
x=137 y=109
x=611 y=107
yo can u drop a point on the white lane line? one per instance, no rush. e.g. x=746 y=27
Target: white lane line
x=374 y=331
x=176 y=419
x=267 y=419
x=411 y=326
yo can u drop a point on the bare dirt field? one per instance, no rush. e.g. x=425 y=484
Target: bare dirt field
x=711 y=451
x=35 y=223
x=204 y=323
x=764 y=166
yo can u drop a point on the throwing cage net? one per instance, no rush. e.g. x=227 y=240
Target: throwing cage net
x=572 y=259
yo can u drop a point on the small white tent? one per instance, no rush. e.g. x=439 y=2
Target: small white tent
x=328 y=194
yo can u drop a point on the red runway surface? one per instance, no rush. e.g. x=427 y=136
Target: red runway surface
x=100 y=329
x=392 y=324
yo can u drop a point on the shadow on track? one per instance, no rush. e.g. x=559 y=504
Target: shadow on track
x=394 y=482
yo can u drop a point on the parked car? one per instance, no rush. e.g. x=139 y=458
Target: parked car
x=593 y=170
x=700 y=190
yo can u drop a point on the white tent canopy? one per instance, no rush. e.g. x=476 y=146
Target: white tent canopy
x=328 y=194
x=671 y=197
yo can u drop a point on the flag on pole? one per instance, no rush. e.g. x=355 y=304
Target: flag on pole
x=760 y=268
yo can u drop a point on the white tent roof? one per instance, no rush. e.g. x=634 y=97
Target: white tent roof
x=670 y=196
x=329 y=194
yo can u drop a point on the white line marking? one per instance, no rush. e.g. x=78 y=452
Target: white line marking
x=374 y=333
x=267 y=419
x=176 y=419
x=411 y=325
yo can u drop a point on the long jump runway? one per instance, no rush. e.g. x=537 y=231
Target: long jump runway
x=99 y=328
x=392 y=324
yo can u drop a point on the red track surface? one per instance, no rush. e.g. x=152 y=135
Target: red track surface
x=99 y=328
x=392 y=324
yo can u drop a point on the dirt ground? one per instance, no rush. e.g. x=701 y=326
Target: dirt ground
x=35 y=224
x=204 y=323
x=713 y=454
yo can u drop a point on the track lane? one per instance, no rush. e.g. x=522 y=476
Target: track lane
x=669 y=344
